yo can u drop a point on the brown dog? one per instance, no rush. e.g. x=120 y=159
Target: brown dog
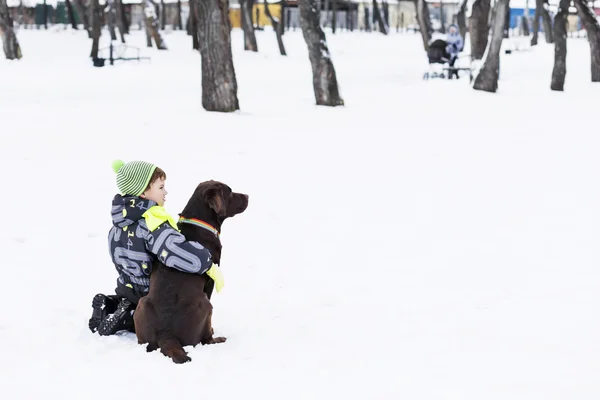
x=177 y=311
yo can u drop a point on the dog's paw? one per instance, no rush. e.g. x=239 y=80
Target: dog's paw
x=181 y=358
x=151 y=347
x=214 y=340
x=219 y=340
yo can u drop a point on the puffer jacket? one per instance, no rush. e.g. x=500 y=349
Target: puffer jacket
x=455 y=42
x=134 y=247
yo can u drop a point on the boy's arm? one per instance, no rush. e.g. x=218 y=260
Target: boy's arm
x=174 y=251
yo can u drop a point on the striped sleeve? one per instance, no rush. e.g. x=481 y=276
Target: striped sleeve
x=174 y=251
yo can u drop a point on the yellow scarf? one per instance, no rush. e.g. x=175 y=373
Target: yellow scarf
x=156 y=216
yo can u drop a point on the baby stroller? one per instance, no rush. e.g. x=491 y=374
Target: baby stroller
x=441 y=63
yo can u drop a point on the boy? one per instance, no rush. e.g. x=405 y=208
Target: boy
x=143 y=232
x=454 y=47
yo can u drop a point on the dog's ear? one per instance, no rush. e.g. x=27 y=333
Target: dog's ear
x=214 y=198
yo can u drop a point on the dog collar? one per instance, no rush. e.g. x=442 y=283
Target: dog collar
x=200 y=223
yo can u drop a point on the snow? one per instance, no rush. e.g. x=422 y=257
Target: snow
x=426 y=241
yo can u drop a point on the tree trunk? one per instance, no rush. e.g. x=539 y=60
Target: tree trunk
x=541 y=9
x=443 y=18
x=247 y=26
x=179 y=21
x=163 y=15
x=385 y=7
x=20 y=13
x=560 y=46
x=82 y=12
x=126 y=18
x=487 y=79
x=70 y=14
x=285 y=15
x=12 y=49
x=111 y=19
x=191 y=16
x=193 y=25
x=383 y=27
x=324 y=78
x=120 y=19
x=461 y=19
x=547 y=21
x=45 y=14
x=590 y=24
x=479 y=28
x=424 y=21
x=96 y=27
x=525 y=20
x=152 y=25
x=506 y=29
x=333 y=16
x=536 y=22
x=277 y=27
x=219 y=84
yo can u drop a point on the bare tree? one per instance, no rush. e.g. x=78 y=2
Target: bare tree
x=70 y=14
x=367 y=20
x=45 y=14
x=163 y=15
x=247 y=26
x=121 y=19
x=277 y=27
x=385 y=7
x=590 y=23
x=192 y=25
x=442 y=17
x=111 y=17
x=525 y=20
x=541 y=9
x=126 y=20
x=152 y=25
x=479 y=28
x=219 y=84
x=96 y=27
x=383 y=27
x=12 y=49
x=461 y=19
x=324 y=78
x=179 y=22
x=560 y=46
x=82 y=12
x=424 y=21
x=487 y=79
x=333 y=16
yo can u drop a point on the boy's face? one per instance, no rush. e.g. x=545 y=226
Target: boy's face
x=157 y=192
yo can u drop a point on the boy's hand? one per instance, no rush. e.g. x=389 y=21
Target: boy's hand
x=216 y=275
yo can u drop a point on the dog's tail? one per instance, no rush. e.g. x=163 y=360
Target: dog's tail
x=171 y=347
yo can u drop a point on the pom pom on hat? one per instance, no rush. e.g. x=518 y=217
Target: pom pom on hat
x=117 y=164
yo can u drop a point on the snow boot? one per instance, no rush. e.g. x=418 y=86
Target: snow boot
x=102 y=306
x=121 y=319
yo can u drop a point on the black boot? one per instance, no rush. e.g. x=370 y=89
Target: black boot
x=102 y=306
x=121 y=319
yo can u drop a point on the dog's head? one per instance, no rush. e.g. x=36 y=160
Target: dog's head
x=223 y=201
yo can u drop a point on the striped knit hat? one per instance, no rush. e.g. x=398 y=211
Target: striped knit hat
x=133 y=177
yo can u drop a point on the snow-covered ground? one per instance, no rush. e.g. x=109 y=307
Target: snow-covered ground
x=426 y=241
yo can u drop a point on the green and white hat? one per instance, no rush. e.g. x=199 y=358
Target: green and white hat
x=133 y=177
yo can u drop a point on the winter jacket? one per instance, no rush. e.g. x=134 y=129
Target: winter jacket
x=455 y=43
x=136 y=241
